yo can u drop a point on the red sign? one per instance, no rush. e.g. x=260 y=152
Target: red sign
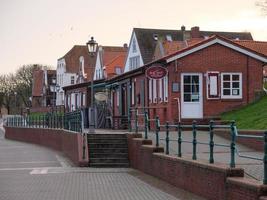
x=156 y=72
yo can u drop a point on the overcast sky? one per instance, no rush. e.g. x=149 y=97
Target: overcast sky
x=41 y=31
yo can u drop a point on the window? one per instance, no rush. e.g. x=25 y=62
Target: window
x=117 y=70
x=134 y=62
x=165 y=88
x=133 y=92
x=191 y=88
x=231 y=85
x=169 y=38
x=81 y=65
x=72 y=80
x=154 y=91
x=134 y=46
x=150 y=90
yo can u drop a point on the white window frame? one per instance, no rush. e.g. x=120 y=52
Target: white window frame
x=154 y=95
x=166 y=89
x=133 y=91
x=150 y=90
x=231 y=96
x=160 y=96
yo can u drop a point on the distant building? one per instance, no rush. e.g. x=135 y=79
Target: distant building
x=43 y=92
x=76 y=66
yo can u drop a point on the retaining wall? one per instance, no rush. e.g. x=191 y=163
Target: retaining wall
x=68 y=142
x=211 y=181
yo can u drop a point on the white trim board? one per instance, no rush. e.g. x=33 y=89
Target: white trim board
x=218 y=41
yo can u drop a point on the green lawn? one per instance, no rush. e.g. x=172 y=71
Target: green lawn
x=253 y=116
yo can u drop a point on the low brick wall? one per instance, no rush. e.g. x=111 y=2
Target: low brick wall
x=256 y=144
x=210 y=181
x=70 y=143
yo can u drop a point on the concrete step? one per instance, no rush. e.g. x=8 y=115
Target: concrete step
x=113 y=165
x=108 y=155
x=108 y=150
x=104 y=136
x=109 y=160
x=107 y=140
x=107 y=145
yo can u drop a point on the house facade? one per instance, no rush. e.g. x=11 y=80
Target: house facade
x=76 y=66
x=205 y=79
x=43 y=92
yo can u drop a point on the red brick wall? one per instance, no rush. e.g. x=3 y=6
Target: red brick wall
x=213 y=58
x=210 y=181
x=69 y=143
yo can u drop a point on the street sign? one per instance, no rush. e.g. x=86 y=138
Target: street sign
x=156 y=72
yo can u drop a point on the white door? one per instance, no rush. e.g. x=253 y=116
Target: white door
x=191 y=95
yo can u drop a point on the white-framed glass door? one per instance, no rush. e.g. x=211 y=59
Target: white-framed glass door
x=191 y=95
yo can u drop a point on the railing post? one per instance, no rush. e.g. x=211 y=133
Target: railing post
x=179 y=140
x=136 y=121
x=157 y=131
x=211 y=159
x=194 y=142
x=146 y=124
x=265 y=158
x=167 y=138
x=233 y=138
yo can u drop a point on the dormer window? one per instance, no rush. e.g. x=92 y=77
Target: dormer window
x=169 y=38
x=155 y=37
x=117 y=70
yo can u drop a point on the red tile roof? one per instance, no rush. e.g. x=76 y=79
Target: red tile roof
x=258 y=46
x=72 y=60
x=38 y=80
x=117 y=62
x=113 y=57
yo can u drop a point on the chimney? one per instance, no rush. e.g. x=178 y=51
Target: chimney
x=195 y=33
x=125 y=45
x=183 y=32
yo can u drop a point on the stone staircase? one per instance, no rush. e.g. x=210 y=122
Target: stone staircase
x=108 y=150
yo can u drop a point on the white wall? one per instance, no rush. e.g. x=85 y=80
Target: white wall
x=133 y=54
x=63 y=79
x=98 y=65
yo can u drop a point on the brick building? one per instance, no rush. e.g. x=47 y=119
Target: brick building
x=43 y=93
x=204 y=79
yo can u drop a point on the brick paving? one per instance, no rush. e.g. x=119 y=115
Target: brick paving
x=29 y=171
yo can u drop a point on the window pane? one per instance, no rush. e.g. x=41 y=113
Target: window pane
x=235 y=77
x=187 y=97
x=187 y=88
x=187 y=79
x=195 y=79
x=195 y=97
x=226 y=92
x=226 y=84
x=226 y=77
x=235 y=92
x=235 y=85
x=195 y=88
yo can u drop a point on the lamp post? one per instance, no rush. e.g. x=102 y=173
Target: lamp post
x=92 y=46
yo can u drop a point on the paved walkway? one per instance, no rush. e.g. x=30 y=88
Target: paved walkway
x=253 y=168
x=29 y=171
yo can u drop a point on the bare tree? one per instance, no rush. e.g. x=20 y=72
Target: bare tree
x=16 y=89
x=263 y=5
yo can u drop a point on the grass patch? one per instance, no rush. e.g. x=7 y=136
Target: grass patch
x=253 y=116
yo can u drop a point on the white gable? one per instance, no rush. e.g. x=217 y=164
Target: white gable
x=222 y=42
x=98 y=74
x=133 y=52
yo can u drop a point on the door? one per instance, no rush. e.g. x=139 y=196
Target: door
x=191 y=95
